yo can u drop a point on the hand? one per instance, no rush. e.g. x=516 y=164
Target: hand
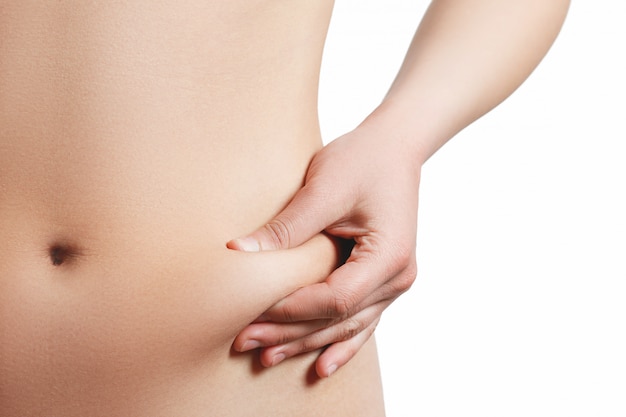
x=361 y=187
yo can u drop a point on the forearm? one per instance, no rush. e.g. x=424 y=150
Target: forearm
x=466 y=57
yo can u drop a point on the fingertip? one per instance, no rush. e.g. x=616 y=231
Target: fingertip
x=326 y=365
x=248 y=345
x=340 y=353
x=239 y=343
x=331 y=370
x=251 y=337
x=325 y=370
x=272 y=356
x=244 y=244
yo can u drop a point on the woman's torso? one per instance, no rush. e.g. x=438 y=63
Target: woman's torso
x=136 y=138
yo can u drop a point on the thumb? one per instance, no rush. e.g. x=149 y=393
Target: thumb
x=308 y=213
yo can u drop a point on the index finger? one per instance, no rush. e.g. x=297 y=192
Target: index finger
x=337 y=297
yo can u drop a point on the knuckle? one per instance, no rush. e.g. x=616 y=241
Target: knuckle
x=403 y=255
x=308 y=344
x=350 y=328
x=282 y=338
x=372 y=328
x=290 y=314
x=343 y=305
x=280 y=232
x=405 y=280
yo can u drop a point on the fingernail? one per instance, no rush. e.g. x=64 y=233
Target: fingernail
x=249 y=345
x=331 y=369
x=248 y=244
x=278 y=359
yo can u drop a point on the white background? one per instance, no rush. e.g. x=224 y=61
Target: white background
x=519 y=308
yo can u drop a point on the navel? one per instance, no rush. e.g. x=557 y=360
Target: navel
x=60 y=254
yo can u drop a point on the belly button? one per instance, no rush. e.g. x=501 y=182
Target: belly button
x=59 y=254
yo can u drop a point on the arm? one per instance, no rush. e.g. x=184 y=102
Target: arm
x=466 y=57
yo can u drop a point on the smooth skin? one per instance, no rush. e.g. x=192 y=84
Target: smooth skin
x=132 y=135
x=467 y=56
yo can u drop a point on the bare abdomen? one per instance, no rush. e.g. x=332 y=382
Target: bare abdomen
x=135 y=140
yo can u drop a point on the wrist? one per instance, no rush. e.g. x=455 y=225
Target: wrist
x=413 y=131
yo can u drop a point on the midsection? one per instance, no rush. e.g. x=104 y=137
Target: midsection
x=120 y=109
x=136 y=138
